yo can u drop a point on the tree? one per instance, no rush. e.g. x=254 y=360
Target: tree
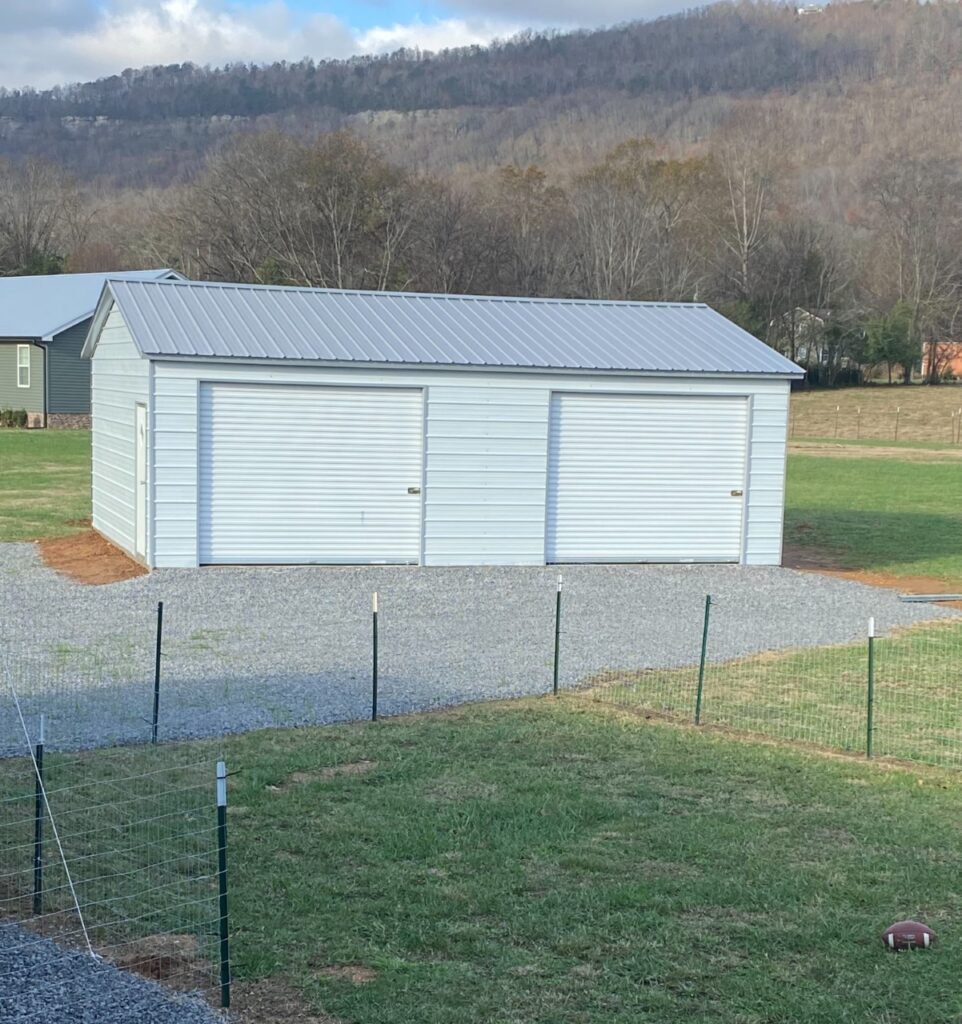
x=917 y=213
x=41 y=218
x=529 y=216
x=749 y=169
x=331 y=213
x=891 y=340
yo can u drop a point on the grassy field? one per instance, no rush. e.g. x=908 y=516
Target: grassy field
x=44 y=483
x=913 y=413
x=896 y=516
x=556 y=862
x=819 y=695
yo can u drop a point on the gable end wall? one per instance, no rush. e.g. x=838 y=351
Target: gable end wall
x=120 y=379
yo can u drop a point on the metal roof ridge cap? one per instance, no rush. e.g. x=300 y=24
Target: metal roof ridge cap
x=437 y=296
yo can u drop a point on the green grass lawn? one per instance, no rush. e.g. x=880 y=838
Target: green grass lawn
x=44 y=483
x=889 y=515
x=561 y=863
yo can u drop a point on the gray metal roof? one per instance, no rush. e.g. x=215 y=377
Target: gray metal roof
x=42 y=306
x=202 y=320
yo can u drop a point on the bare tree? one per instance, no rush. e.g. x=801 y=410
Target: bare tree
x=917 y=214
x=41 y=217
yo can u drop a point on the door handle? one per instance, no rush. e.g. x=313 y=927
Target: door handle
x=414 y=490
x=737 y=493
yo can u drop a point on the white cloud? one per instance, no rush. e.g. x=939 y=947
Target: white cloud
x=46 y=42
x=438 y=35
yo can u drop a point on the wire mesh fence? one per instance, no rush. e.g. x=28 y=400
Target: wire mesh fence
x=110 y=875
x=129 y=839
x=896 y=695
x=851 y=420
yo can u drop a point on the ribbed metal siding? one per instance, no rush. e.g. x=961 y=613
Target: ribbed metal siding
x=309 y=474
x=646 y=478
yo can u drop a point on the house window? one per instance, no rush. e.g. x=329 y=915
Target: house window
x=23 y=366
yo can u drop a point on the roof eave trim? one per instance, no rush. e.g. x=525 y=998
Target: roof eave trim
x=104 y=305
x=166 y=357
x=66 y=327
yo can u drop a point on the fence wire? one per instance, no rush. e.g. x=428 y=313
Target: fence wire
x=906 y=704
x=849 y=421
x=108 y=864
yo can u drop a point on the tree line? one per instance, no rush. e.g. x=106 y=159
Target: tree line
x=843 y=79
x=730 y=226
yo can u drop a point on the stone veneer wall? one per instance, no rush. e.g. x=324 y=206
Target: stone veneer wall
x=69 y=421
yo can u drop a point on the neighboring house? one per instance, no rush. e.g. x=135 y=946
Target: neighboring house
x=942 y=360
x=43 y=324
x=257 y=424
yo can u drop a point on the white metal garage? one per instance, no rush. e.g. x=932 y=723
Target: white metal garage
x=292 y=425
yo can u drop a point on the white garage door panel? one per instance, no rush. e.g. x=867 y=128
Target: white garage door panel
x=646 y=478
x=309 y=474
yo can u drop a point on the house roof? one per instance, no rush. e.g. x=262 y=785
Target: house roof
x=196 y=320
x=42 y=306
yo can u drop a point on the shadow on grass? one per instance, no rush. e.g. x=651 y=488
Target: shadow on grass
x=868 y=539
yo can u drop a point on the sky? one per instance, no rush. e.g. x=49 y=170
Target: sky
x=49 y=42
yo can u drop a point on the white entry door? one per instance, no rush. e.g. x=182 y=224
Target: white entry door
x=297 y=474
x=645 y=478
x=140 y=477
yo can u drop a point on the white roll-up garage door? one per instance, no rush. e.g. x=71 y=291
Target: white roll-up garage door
x=292 y=474
x=635 y=478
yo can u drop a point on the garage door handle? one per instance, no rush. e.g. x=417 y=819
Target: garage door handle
x=414 y=490
x=737 y=494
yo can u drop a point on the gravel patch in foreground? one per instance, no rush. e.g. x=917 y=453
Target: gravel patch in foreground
x=247 y=648
x=40 y=983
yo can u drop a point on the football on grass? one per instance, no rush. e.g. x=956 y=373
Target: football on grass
x=908 y=935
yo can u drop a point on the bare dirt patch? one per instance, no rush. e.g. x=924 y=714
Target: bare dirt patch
x=851 y=451
x=89 y=558
x=356 y=974
x=173 y=959
x=827 y=563
x=333 y=771
x=273 y=1001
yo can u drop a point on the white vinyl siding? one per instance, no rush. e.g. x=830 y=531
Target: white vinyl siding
x=119 y=381
x=23 y=366
x=486 y=454
x=646 y=478
x=484 y=502
x=294 y=474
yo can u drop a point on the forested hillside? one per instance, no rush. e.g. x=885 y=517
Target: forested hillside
x=802 y=173
x=534 y=98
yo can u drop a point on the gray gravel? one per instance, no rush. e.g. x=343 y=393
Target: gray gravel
x=41 y=983
x=252 y=647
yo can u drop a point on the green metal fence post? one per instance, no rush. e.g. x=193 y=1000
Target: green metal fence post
x=701 y=660
x=224 y=931
x=157 y=653
x=38 y=827
x=870 y=710
x=557 y=636
x=374 y=658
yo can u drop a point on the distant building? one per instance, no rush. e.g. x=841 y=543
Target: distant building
x=942 y=359
x=809 y=9
x=43 y=324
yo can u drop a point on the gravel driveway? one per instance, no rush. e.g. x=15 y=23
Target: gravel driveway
x=252 y=647
x=41 y=983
